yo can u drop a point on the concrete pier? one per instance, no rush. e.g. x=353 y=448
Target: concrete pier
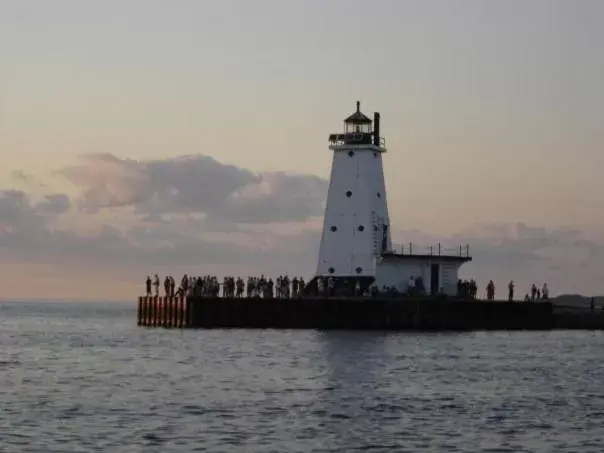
x=358 y=314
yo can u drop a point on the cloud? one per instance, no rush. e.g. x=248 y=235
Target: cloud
x=198 y=185
x=191 y=213
x=194 y=214
x=568 y=259
x=22 y=178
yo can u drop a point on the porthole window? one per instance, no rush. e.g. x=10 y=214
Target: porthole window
x=331 y=270
x=349 y=194
x=333 y=228
x=360 y=228
x=351 y=153
x=359 y=270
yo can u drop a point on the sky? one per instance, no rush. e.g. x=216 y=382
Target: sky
x=143 y=136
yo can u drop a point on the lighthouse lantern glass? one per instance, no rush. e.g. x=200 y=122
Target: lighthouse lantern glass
x=356 y=128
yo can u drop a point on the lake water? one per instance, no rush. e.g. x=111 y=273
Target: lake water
x=82 y=377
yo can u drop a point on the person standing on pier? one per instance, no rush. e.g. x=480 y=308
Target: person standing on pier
x=172 y=286
x=148 y=286
x=511 y=291
x=167 y=286
x=545 y=292
x=411 y=286
x=491 y=290
x=156 y=285
x=184 y=285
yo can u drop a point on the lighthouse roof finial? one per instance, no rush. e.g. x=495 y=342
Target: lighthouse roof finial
x=358 y=117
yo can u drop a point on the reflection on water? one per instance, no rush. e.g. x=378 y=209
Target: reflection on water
x=83 y=377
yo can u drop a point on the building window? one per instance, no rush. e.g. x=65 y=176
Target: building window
x=379 y=195
x=375 y=228
x=333 y=228
x=351 y=153
x=361 y=228
x=359 y=270
x=374 y=154
x=349 y=194
x=331 y=270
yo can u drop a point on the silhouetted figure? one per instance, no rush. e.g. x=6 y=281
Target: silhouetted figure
x=473 y=288
x=172 y=286
x=545 y=292
x=156 y=284
x=411 y=286
x=167 y=286
x=491 y=290
x=148 y=285
x=511 y=291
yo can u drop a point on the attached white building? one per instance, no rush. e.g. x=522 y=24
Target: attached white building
x=356 y=243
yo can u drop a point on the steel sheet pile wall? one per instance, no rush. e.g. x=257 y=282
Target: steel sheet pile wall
x=333 y=313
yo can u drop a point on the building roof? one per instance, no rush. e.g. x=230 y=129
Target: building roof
x=427 y=257
x=358 y=117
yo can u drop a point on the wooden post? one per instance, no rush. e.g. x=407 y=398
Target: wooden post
x=169 y=308
x=139 y=312
x=145 y=311
x=188 y=309
x=151 y=311
x=166 y=312
x=160 y=312
x=179 y=313
x=172 y=312
x=142 y=299
x=154 y=322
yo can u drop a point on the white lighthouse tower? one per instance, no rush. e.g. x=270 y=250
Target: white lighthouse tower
x=356 y=224
x=356 y=247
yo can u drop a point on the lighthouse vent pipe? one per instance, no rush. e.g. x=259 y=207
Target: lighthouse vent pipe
x=376 y=129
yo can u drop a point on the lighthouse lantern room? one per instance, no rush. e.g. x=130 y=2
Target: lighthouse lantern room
x=356 y=248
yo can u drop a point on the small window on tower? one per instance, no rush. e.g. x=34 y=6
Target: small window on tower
x=359 y=270
x=351 y=153
x=361 y=228
x=349 y=194
x=379 y=195
x=333 y=228
x=331 y=270
x=374 y=154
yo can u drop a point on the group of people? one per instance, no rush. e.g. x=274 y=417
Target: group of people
x=534 y=294
x=284 y=287
x=231 y=287
x=468 y=289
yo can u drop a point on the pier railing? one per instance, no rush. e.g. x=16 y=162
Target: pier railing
x=463 y=250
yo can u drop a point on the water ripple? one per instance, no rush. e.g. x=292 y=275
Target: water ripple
x=83 y=378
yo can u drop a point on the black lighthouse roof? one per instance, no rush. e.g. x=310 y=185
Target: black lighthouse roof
x=357 y=117
x=359 y=130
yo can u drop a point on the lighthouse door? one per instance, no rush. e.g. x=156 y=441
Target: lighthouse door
x=434 y=279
